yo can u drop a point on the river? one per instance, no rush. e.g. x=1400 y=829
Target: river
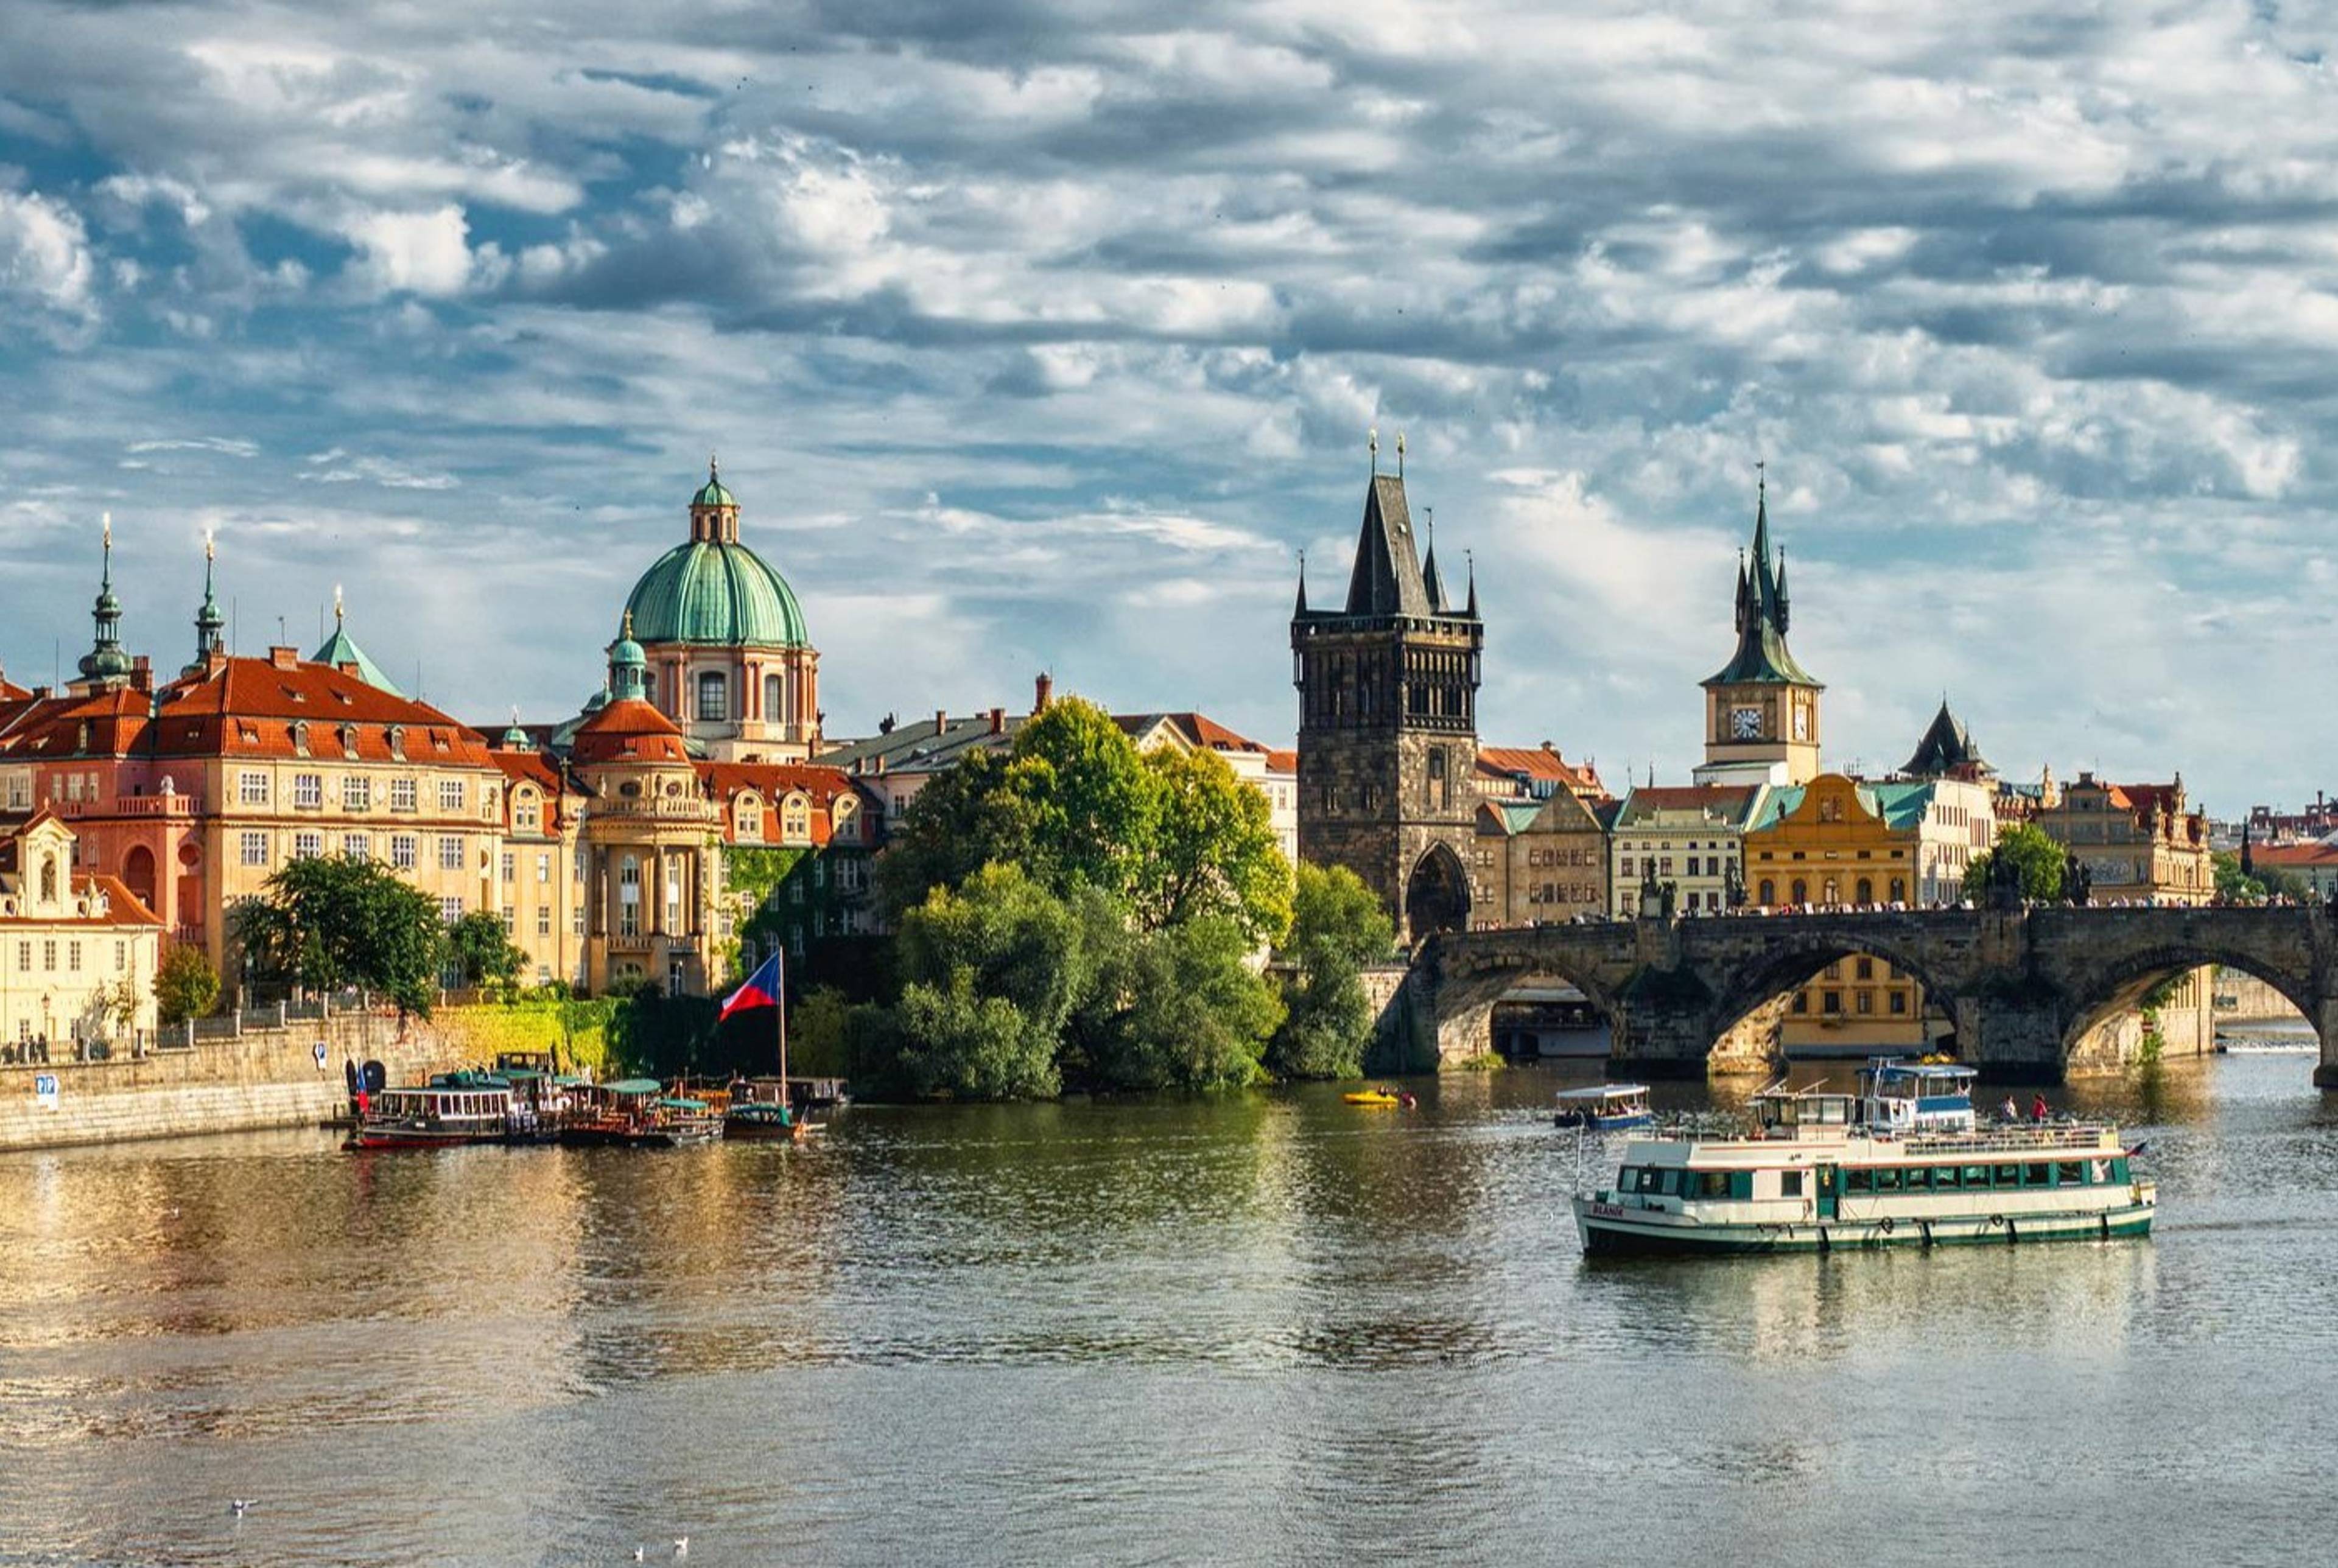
x=1257 y=1328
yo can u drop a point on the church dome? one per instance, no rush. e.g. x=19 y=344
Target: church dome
x=715 y=591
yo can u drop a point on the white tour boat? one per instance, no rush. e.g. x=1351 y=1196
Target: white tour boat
x=1901 y=1161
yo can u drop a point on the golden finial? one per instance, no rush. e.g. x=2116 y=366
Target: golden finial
x=106 y=521
x=208 y=551
x=628 y=633
x=1372 y=440
x=337 y=604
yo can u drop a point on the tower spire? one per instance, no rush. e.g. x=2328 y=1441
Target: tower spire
x=208 y=622
x=1302 y=609
x=105 y=663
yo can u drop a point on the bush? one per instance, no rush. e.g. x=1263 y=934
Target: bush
x=186 y=985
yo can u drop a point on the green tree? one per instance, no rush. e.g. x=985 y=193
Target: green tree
x=480 y=951
x=2232 y=885
x=1338 y=926
x=960 y=821
x=2027 y=845
x=1212 y=851
x=991 y=972
x=326 y=922
x=819 y=1034
x=1195 y=1016
x=1091 y=800
x=186 y=985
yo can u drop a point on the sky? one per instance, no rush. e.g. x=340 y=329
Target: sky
x=1047 y=335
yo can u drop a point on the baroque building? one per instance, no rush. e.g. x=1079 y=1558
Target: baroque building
x=1387 y=722
x=1761 y=709
x=728 y=658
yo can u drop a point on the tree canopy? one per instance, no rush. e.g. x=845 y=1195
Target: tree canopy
x=1338 y=927
x=482 y=952
x=186 y=985
x=326 y=922
x=2025 y=845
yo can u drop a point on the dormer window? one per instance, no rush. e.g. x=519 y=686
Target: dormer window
x=349 y=737
x=398 y=742
x=299 y=737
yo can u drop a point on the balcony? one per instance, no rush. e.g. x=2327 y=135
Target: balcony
x=176 y=808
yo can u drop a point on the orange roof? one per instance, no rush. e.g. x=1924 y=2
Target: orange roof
x=534 y=768
x=241 y=708
x=1282 y=761
x=1537 y=762
x=12 y=692
x=121 y=905
x=774 y=782
x=628 y=731
x=2316 y=854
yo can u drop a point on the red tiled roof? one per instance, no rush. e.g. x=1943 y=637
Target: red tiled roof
x=628 y=731
x=774 y=782
x=121 y=905
x=1537 y=762
x=1282 y=761
x=2294 y=853
x=241 y=708
x=534 y=768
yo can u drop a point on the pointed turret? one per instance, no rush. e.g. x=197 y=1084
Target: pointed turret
x=105 y=663
x=1302 y=608
x=341 y=649
x=1762 y=654
x=1470 y=561
x=1387 y=576
x=210 y=625
x=1946 y=751
x=628 y=666
x=1430 y=583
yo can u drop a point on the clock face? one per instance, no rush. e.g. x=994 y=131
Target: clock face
x=1745 y=723
x=1802 y=724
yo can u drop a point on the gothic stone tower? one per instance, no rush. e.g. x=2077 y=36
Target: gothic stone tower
x=1387 y=724
x=1761 y=709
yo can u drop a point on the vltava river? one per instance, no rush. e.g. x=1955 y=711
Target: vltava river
x=1266 y=1329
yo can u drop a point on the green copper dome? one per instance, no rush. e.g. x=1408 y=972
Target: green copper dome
x=717 y=593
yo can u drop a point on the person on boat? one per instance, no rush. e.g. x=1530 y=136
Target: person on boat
x=2010 y=1111
x=2037 y=1108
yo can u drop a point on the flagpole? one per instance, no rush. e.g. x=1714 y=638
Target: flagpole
x=785 y=1098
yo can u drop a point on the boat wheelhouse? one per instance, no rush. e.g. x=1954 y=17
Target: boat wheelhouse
x=1823 y=1169
x=1604 y=1107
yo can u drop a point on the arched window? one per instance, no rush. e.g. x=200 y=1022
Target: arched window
x=1831 y=892
x=713 y=695
x=846 y=815
x=1769 y=892
x=649 y=687
x=1866 y=891
x=750 y=817
x=1899 y=891
x=773 y=706
x=795 y=820
x=1801 y=891
x=629 y=896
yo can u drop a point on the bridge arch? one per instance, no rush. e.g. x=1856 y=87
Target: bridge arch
x=1436 y=893
x=1752 y=998
x=2106 y=993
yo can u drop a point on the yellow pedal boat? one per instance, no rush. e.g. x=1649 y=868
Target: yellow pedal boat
x=1375 y=1097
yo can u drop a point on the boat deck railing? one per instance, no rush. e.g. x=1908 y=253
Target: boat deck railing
x=2049 y=1135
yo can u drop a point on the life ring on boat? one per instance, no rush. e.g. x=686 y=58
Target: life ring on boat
x=1884 y=1225
x=1997 y=1222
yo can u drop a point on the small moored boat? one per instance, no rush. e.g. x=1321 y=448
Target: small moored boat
x=1604 y=1107
x=1377 y=1099
x=453 y=1107
x=763 y=1121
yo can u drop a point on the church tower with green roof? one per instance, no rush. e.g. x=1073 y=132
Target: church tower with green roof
x=1762 y=707
x=727 y=655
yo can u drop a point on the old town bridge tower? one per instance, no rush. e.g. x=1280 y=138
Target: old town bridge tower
x=1387 y=722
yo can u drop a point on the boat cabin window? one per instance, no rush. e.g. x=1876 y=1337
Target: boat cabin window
x=2009 y=1175
x=2036 y=1175
x=1854 y=1180
x=1976 y=1175
x=1711 y=1183
x=2070 y=1172
x=1790 y=1184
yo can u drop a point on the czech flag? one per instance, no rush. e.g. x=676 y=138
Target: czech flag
x=761 y=989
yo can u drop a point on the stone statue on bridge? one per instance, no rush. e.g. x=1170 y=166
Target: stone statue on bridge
x=2078 y=882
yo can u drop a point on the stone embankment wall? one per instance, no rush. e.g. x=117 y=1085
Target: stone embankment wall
x=259 y=1079
x=2245 y=997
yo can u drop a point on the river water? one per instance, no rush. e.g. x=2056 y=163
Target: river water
x=1260 y=1328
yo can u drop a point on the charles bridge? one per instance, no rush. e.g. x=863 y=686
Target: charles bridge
x=2030 y=992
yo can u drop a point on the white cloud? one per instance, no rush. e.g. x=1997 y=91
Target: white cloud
x=44 y=255
x=415 y=252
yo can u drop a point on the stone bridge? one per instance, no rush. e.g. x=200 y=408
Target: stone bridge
x=2030 y=993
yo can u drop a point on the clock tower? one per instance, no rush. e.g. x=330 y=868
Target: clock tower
x=1761 y=710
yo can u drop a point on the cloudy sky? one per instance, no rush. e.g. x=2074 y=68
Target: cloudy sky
x=1039 y=335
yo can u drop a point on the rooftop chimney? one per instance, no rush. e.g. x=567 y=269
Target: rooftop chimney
x=1043 y=691
x=941 y=720
x=348 y=667
x=284 y=658
x=999 y=720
